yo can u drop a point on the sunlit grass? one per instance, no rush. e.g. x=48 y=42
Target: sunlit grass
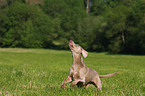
x=41 y=72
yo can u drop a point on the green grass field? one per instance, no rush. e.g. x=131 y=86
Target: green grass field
x=30 y=72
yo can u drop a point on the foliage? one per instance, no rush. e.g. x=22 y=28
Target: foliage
x=124 y=19
x=27 y=26
x=91 y=26
x=116 y=26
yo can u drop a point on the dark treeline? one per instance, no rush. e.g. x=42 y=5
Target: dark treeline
x=116 y=26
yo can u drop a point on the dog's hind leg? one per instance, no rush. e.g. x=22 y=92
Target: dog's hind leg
x=97 y=83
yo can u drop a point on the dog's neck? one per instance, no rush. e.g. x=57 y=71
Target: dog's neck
x=77 y=59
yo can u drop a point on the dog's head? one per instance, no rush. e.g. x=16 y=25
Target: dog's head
x=75 y=48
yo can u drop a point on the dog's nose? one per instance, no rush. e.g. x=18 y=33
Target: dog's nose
x=70 y=41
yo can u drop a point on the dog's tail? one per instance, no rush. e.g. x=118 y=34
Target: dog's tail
x=108 y=75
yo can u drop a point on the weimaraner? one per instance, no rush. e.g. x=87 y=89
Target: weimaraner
x=79 y=73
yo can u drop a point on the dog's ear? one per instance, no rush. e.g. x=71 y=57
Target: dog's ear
x=85 y=53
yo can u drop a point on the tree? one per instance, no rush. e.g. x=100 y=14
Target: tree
x=67 y=14
x=123 y=20
x=90 y=33
x=116 y=26
x=27 y=26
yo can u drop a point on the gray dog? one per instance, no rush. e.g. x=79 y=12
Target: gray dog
x=79 y=73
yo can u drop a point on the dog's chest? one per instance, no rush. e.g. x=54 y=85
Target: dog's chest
x=75 y=68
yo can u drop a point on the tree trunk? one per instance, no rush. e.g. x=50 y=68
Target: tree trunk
x=88 y=6
x=123 y=37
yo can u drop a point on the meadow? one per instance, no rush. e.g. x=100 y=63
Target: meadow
x=31 y=72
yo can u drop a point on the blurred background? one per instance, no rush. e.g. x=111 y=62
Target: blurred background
x=115 y=26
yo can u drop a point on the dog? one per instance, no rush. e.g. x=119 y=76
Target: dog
x=79 y=73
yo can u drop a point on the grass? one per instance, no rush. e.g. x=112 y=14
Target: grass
x=30 y=72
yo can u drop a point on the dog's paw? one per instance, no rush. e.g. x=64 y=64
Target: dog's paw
x=62 y=86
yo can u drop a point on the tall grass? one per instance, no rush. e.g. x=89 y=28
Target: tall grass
x=27 y=72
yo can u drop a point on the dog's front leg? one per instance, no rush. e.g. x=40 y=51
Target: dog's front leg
x=77 y=78
x=66 y=81
x=76 y=81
